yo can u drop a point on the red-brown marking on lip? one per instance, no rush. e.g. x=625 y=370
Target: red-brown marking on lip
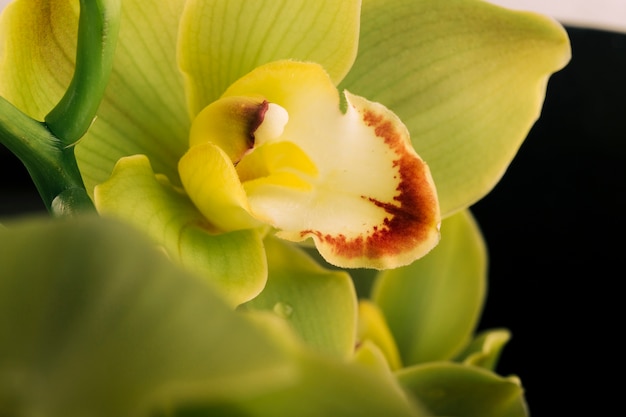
x=411 y=217
x=256 y=120
x=253 y=114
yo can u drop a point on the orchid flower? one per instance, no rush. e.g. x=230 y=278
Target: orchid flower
x=232 y=132
x=275 y=149
x=207 y=136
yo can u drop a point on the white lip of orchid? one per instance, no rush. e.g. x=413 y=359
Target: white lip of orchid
x=276 y=150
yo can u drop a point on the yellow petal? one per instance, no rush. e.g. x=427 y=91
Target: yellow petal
x=210 y=180
x=275 y=157
x=135 y=194
x=229 y=123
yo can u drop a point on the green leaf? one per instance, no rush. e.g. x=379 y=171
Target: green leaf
x=323 y=386
x=94 y=321
x=318 y=303
x=485 y=349
x=143 y=110
x=432 y=306
x=466 y=77
x=234 y=261
x=329 y=389
x=104 y=325
x=223 y=40
x=450 y=389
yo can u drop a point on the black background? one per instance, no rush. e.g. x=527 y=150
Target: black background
x=555 y=231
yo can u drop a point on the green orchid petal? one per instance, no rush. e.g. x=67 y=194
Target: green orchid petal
x=102 y=324
x=450 y=389
x=38 y=51
x=233 y=261
x=432 y=306
x=319 y=304
x=485 y=349
x=466 y=77
x=143 y=110
x=221 y=41
x=350 y=181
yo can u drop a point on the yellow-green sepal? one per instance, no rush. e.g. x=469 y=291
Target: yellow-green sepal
x=318 y=303
x=452 y=389
x=466 y=77
x=233 y=261
x=221 y=41
x=484 y=351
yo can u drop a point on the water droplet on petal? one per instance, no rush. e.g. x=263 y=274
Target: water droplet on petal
x=284 y=310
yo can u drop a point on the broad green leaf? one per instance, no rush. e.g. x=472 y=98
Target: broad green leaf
x=318 y=303
x=104 y=325
x=466 y=77
x=95 y=321
x=327 y=389
x=432 y=306
x=485 y=349
x=323 y=386
x=451 y=389
x=223 y=40
x=143 y=110
x=234 y=261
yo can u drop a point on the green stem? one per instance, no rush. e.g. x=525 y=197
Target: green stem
x=98 y=28
x=47 y=149
x=51 y=166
